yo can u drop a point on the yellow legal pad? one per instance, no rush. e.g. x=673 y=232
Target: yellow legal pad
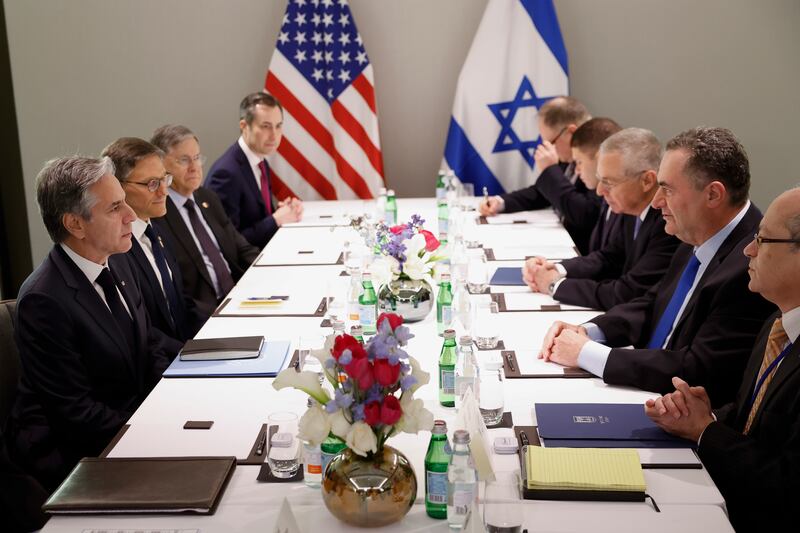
x=590 y=469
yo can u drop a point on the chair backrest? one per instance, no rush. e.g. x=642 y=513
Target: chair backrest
x=9 y=359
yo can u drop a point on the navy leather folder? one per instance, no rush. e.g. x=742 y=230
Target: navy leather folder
x=603 y=425
x=509 y=276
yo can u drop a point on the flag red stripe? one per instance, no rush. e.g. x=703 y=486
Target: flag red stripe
x=367 y=92
x=351 y=177
x=306 y=169
x=354 y=128
x=279 y=187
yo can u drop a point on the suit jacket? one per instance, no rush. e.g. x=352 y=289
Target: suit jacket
x=578 y=206
x=604 y=227
x=231 y=177
x=759 y=473
x=181 y=323
x=80 y=380
x=622 y=269
x=711 y=341
x=235 y=249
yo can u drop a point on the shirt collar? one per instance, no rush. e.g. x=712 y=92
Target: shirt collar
x=709 y=249
x=252 y=157
x=643 y=214
x=90 y=269
x=791 y=323
x=139 y=226
x=177 y=197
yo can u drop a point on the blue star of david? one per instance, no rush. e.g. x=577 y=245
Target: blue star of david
x=508 y=140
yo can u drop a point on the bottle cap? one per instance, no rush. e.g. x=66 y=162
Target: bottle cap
x=461 y=436
x=465 y=340
x=338 y=324
x=356 y=330
x=445 y=276
x=390 y=192
x=439 y=427
x=366 y=276
x=449 y=334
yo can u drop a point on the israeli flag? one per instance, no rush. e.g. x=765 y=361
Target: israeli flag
x=517 y=62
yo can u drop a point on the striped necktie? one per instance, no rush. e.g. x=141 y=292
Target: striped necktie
x=775 y=344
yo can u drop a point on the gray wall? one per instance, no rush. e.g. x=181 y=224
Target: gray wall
x=88 y=71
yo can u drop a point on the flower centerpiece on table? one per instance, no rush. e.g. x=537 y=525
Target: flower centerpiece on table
x=373 y=387
x=403 y=273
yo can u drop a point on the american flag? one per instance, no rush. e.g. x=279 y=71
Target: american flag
x=321 y=74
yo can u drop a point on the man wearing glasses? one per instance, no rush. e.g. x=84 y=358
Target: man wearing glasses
x=637 y=254
x=140 y=170
x=751 y=446
x=699 y=321
x=557 y=185
x=211 y=254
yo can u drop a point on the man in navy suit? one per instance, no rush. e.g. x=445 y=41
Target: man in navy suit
x=241 y=177
x=636 y=256
x=140 y=170
x=700 y=320
x=751 y=446
x=87 y=351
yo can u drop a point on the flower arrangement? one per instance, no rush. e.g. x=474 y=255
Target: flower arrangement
x=408 y=251
x=364 y=409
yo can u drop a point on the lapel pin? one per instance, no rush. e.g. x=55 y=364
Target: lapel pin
x=122 y=282
x=205 y=205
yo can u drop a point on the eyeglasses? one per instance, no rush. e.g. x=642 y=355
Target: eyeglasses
x=185 y=161
x=560 y=133
x=607 y=185
x=766 y=240
x=154 y=184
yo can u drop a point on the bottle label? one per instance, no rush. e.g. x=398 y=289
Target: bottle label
x=447 y=315
x=313 y=459
x=463 y=383
x=462 y=501
x=391 y=217
x=366 y=315
x=443 y=224
x=448 y=381
x=437 y=487
x=325 y=459
x=440 y=193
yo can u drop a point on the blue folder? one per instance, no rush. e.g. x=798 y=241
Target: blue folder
x=268 y=363
x=587 y=424
x=509 y=276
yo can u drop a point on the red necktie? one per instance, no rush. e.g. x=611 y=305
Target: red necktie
x=265 y=192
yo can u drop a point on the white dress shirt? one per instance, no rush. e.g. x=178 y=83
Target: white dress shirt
x=92 y=270
x=139 y=227
x=254 y=160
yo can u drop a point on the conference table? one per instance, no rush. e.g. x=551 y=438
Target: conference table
x=302 y=261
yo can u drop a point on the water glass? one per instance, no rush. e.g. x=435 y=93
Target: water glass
x=485 y=325
x=284 y=446
x=306 y=343
x=502 y=505
x=491 y=401
x=336 y=298
x=477 y=271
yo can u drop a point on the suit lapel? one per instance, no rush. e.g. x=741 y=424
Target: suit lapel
x=216 y=227
x=133 y=299
x=250 y=178
x=787 y=368
x=150 y=278
x=185 y=239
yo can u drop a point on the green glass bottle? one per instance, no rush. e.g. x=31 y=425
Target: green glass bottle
x=391 y=208
x=357 y=332
x=447 y=367
x=328 y=450
x=442 y=215
x=436 y=460
x=444 y=305
x=441 y=188
x=367 y=305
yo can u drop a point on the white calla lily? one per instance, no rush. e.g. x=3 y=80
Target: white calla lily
x=307 y=382
x=415 y=417
x=323 y=355
x=339 y=424
x=314 y=425
x=422 y=377
x=361 y=439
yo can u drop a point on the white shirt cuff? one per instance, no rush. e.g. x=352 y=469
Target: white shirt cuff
x=561 y=270
x=593 y=357
x=594 y=332
x=555 y=286
x=502 y=203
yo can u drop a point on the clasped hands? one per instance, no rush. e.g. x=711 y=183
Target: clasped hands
x=685 y=412
x=289 y=210
x=538 y=273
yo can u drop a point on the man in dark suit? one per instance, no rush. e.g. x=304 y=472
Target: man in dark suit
x=140 y=170
x=751 y=446
x=699 y=320
x=633 y=258
x=241 y=176
x=88 y=354
x=211 y=254
x=557 y=184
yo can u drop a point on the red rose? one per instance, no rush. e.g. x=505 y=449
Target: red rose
x=372 y=413
x=394 y=319
x=361 y=371
x=431 y=242
x=346 y=342
x=391 y=410
x=397 y=230
x=386 y=374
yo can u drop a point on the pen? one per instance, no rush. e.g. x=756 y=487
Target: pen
x=262 y=443
x=486 y=195
x=510 y=359
x=523 y=438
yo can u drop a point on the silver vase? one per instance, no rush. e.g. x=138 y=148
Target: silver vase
x=410 y=298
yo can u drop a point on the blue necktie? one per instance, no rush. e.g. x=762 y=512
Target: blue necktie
x=667 y=320
x=161 y=263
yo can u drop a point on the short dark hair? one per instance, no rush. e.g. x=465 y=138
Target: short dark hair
x=562 y=111
x=248 y=106
x=715 y=154
x=591 y=134
x=169 y=135
x=62 y=187
x=126 y=152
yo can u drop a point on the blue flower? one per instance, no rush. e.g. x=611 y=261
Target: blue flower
x=342 y=399
x=374 y=394
x=346 y=358
x=407 y=382
x=358 y=412
x=403 y=335
x=330 y=363
x=331 y=407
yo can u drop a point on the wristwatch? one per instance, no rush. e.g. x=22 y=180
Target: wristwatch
x=551 y=289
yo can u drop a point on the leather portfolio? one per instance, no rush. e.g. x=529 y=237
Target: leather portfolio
x=143 y=485
x=222 y=348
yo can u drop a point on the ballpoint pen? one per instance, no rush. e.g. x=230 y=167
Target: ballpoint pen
x=262 y=443
x=486 y=196
x=510 y=359
x=523 y=438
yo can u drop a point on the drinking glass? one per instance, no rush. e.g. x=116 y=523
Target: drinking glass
x=284 y=447
x=485 y=325
x=502 y=505
x=477 y=271
x=336 y=298
x=306 y=343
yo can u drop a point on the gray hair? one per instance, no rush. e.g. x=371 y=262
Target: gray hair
x=640 y=150
x=63 y=186
x=169 y=135
x=793 y=225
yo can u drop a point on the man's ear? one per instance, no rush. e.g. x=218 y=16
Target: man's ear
x=716 y=193
x=74 y=224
